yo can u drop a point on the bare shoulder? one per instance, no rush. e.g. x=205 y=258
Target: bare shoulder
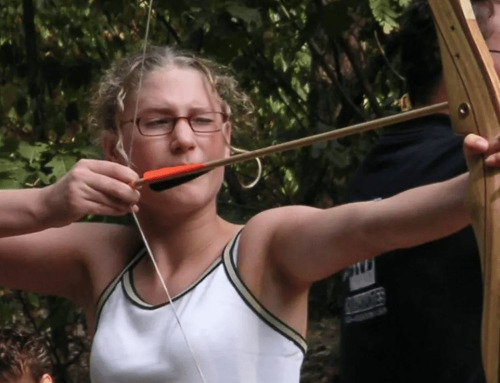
x=263 y=231
x=283 y=240
x=269 y=223
x=105 y=235
x=72 y=261
x=106 y=251
x=89 y=240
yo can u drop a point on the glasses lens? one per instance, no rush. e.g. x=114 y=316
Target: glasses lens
x=206 y=122
x=156 y=126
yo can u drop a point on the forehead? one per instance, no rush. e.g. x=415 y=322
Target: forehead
x=177 y=88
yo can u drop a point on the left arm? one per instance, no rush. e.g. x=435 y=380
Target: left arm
x=309 y=244
x=306 y=244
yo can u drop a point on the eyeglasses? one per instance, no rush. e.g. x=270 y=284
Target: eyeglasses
x=494 y=51
x=161 y=125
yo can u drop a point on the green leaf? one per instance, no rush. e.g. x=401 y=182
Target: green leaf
x=61 y=164
x=12 y=173
x=92 y=152
x=34 y=299
x=32 y=152
x=6 y=165
x=7 y=311
x=385 y=14
x=290 y=185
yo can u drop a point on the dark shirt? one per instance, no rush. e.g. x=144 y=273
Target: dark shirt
x=413 y=315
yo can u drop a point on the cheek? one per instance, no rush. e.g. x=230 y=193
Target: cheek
x=220 y=148
x=147 y=155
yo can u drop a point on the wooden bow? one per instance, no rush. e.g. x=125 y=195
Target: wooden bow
x=474 y=101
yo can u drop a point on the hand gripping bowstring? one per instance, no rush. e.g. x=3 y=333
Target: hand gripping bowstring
x=136 y=219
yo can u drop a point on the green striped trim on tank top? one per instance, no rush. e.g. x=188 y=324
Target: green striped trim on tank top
x=230 y=259
x=130 y=290
x=111 y=286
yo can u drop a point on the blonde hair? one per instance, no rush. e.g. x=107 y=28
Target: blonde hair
x=122 y=80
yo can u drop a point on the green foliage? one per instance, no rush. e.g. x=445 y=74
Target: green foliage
x=387 y=12
x=24 y=164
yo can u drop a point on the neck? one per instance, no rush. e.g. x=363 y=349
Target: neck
x=176 y=240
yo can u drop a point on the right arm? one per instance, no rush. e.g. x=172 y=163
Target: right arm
x=91 y=187
x=43 y=251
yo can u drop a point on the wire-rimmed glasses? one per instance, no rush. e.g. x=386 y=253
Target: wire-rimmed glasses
x=163 y=124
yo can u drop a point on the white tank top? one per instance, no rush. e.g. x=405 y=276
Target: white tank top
x=234 y=338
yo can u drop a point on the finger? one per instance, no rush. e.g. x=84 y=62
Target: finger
x=493 y=160
x=113 y=170
x=114 y=188
x=102 y=204
x=108 y=199
x=474 y=144
x=97 y=208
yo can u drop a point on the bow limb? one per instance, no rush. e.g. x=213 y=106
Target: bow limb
x=473 y=92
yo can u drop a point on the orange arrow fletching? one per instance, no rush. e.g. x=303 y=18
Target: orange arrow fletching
x=170 y=172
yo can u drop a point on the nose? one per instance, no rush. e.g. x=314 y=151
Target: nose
x=182 y=136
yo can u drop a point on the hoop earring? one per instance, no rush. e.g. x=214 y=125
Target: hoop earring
x=259 y=169
x=235 y=149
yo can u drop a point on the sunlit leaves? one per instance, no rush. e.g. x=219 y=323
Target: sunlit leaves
x=61 y=164
x=32 y=153
x=386 y=13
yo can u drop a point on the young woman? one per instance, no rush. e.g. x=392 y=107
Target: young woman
x=239 y=310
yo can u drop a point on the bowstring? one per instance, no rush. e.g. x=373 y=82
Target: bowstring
x=136 y=219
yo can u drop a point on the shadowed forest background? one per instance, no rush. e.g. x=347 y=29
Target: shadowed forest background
x=309 y=66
